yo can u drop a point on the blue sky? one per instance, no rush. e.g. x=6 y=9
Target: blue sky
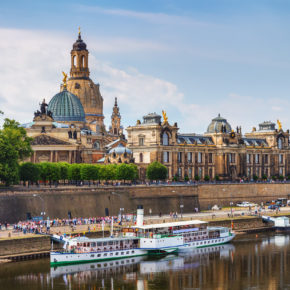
x=193 y=58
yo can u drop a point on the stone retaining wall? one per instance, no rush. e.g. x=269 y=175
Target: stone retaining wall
x=86 y=202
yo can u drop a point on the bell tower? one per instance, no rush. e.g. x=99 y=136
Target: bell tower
x=79 y=59
x=116 y=128
x=83 y=87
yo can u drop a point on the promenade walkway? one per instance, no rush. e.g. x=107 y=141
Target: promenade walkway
x=97 y=227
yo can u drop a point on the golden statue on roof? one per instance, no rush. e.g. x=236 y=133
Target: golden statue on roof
x=64 y=79
x=165 y=118
x=279 y=125
x=79 y=30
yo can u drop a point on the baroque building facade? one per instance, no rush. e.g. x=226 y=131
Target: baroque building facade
x=221 y=151
x=71 y=126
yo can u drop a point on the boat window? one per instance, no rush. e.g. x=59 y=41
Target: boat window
x=105 y=244
x=111 y=243
x=133 y=252
x=92 y=256
x=111 y=254
x=105 y=254
x=122 y=262
x=99 y=244
x=99 y=255
x=93 y=244
x=122 y=253
x=117 y=254
x=127 y=252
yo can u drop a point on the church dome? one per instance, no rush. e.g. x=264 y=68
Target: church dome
x=120 y=149
x=66 y=107
x=79 y=44
x=216 y=125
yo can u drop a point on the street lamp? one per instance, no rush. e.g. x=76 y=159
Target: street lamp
x=181 y=207
x=150 y=212
x=42 y=204
x=231 y=204
x=121 y=209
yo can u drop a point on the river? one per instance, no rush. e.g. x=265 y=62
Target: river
x=253 y=261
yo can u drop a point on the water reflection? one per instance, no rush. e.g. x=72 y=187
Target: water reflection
x=259 y=262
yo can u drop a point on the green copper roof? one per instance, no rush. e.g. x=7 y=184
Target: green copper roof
x=66 y=106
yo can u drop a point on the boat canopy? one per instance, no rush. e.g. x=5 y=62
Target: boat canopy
x=170 y=225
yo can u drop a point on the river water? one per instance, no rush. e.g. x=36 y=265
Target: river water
x=250 y=262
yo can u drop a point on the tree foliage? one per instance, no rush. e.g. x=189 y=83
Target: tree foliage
x=74 y=172
x=126 y=172
x=29 y=171
x=156 y=171
x=14 y=146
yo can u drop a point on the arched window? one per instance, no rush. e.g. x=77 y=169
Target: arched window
x=97 y=145
x=280 y=143
x=83 y=61
x=165 y=140
x=74 y=61
x=141 y=157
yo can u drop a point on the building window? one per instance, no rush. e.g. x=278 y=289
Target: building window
x=257 y=158
x=210 y=173
x=199 y=157
x=280 y=143
x=165 y=139
x=166 y=157
x=189 y=157
x=200 y=171
x=189 y=172
x=266 y=158
x=266 y=172
x=232 y=157
x=249 y=171
x=141 y=157
x=141 y=141
x=281 y=159
x=179 y=157
x=248 y=158
x=97 y=145
x=258 y=171
x=281 y=171
x=209 y=157
x=179 y=172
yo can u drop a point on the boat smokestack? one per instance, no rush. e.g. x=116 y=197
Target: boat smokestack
x=140 y=216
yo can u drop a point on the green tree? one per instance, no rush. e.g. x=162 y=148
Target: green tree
x=196 y=177
x=126 y=172
x=29 y=171
x=74 y=172
x=14 y=147
x=255 y=177
x=63 y=168
x=156 y=171
x=50 y=171
x=217 y=178
x=206 y=178
x=88 y=172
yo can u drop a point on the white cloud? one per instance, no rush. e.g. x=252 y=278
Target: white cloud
x=30 y=68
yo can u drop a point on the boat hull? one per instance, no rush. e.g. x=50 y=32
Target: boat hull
x=206 y=243
x=58 y=258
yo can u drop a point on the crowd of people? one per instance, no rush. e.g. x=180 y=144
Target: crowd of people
x=43 y=226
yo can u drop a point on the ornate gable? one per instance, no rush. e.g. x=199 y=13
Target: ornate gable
x=47 y=140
